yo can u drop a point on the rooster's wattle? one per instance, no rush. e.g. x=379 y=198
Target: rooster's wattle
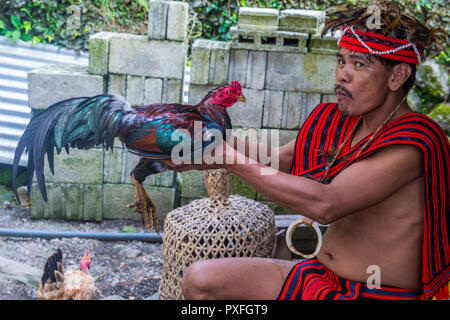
x=146 y=131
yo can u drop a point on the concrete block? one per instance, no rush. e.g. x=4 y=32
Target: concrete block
x=325 y=45
x=219 y=63
x=69 y=201
x=117 y=84
x=192 y=185
x=172 y=91
x=157 y=19
x=309 y=21
x=64 y=81
x=99 y=53
x=177 y=21
x=112 y=165
x=137 y=55
x=238 y=67
x=282 y=41
x=256 y=69
x=79 y=166
x=116 y=197
x=273 y=109
x=248 y=114
x=319 y=71
x=135 y=90
x=153 y=88
x=197 y=93
x=200 y=61
x=296 y=108
x=299 y=72
x=258 y=18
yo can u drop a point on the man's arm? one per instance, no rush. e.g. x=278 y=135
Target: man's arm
x=362 y=185
x=284 y=153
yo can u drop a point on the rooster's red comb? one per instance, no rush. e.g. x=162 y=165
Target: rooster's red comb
x=236 y=85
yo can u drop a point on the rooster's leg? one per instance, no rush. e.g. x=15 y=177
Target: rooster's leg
x=144 y=206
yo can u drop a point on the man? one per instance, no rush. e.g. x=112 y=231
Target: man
x=373 y=170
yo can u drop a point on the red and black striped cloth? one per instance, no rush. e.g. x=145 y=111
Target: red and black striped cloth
x=326 y=128
x=311 y=280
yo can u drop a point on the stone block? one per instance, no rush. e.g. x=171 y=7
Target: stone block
x=177 y=21
x=248 y=114
x=200 y=61
x=319 y=71
x=192 y=185
x=238 y=67
x=309 y=21
x=296 y=108
x=219 y=63
x=325 y=45
x=258 y=18
x=157 y=19
x=198 y=92
x=135 y=90
x=172 y=91
x=117 y=84
x=300 y=72
x=256 y=69
x=79 y=166
x=99 y=53
x=65 y=81
x=153 y=89
x=138 y=55
x=273 y=109
x=112 y=166
x=69 y=201
x=116 y=197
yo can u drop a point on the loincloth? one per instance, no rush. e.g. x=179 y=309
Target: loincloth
x=311 y=280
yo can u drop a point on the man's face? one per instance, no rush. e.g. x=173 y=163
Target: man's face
x=361 y=85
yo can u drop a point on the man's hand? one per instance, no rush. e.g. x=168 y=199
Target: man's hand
x=223 y=156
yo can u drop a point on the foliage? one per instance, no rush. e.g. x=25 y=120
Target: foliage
x=69 y=23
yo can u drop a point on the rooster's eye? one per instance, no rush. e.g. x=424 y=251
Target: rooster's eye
x=228 y=92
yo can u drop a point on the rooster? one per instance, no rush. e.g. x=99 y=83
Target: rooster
x=71 y=285
x=146 y=131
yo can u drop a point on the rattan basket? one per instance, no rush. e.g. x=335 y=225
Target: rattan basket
x=220 y=226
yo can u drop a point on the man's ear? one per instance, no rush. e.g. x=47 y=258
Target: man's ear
x=400 y=73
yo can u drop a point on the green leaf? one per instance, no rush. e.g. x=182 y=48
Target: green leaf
x=15 y=22
x=128 y=229
x=27 y=26
x=15 y=35
x=36 y=40
x=2 y=24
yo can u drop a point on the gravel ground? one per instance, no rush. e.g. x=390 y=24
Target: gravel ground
x=127 y=269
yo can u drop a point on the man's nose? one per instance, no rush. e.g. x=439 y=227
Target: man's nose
x=344 y=73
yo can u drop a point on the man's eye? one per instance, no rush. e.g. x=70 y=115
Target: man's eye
x=340 y=61
x=359 y=64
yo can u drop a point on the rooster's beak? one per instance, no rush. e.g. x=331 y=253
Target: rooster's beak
x=242 y=99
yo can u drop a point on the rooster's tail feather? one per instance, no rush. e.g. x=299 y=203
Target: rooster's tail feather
x=78 y=122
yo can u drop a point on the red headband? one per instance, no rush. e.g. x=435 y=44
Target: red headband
x=377 y=44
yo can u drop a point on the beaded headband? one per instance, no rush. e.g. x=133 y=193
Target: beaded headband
x=377 y=44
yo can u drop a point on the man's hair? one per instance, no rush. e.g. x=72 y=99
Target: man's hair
x=391 y=22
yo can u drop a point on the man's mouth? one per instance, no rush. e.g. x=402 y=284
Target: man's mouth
x=342 y=92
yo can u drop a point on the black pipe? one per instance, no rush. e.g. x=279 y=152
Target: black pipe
x=106 y=236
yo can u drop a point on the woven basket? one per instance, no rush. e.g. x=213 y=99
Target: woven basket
x=220 y=226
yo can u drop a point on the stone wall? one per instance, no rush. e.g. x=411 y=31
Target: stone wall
x=95 y=184
x=284 y=67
